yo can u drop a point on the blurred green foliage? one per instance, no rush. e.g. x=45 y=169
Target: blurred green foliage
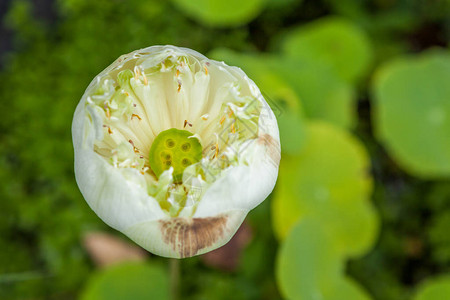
x=412 y=112
x=315 y=63
x=309 y=266
x=434 y=289
x=143 y=281
x=329 y=179
x=335 y=42
x=221 y=13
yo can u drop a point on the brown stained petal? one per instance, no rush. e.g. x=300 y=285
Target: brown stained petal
x=272 y=146
x=106 y=249
x=227 y=257
x=188 y=236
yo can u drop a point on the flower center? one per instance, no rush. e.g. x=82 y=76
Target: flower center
x=174 y=148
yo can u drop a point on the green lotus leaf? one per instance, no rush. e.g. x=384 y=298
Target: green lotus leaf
x=336 y=41
x=259 y=67
x=329 y=178
x=279 y=94
x=412 y=112
x=323 y=94
x=346 y=288
x=307 y=263
x=434 y=289
x=138 y=281
x=292 y=132
x=354 y=227
x=297 y=85
x=221 y=13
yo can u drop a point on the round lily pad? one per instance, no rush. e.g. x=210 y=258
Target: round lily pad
x=221 y=13
x=329 y=178
x=323 y=94
x=434 y=289
x=346 y=288
x=292 y=132
x=307 y=263
x=292 y=84
x=333 y=40
x=412 y=112
x=280 y=95
x=274 y=87
x=138 y=281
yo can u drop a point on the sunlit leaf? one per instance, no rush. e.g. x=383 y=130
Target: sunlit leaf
x=297 y=85
x=307 y=264
x=292 y=132
x=128 y=281
x=328 y=178
x=277 y=91
x=346 y=289
x=335 y=41
x=434 y=289
x=354 y=227
x=259 y=67
x=323 y=94
x=412 y=112
x=220 y=13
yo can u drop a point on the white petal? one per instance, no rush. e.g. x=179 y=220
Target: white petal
x=243 y=187
x=119 y=196
x=186 y=237
x=120 y=203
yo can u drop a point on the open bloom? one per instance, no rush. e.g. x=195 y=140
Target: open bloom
x=173 y=149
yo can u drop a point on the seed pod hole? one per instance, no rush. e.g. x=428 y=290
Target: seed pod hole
x=186 y=147
x=170 y=143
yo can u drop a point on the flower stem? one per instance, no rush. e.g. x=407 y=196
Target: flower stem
x=174 y=278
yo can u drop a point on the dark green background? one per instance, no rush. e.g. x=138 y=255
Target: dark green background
x=50 y=51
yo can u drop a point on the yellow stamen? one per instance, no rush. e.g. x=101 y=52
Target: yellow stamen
x=144 y=169
x=145 y=79
x=106 y=108
x=222 y=120
x=233 y=128
x=135 y=149
x=109 y=129
x=135 y=116
x=178 y=73
x=206 y=70
x=137 y=72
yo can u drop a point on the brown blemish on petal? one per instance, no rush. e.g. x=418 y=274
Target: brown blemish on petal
x=272 y=146
x=188 y=236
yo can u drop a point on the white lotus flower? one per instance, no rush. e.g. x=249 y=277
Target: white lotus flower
x=173 y=149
